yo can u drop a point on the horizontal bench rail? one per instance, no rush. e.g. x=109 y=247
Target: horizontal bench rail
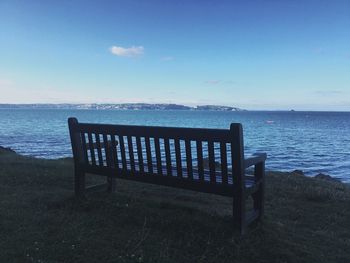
x=154 y=131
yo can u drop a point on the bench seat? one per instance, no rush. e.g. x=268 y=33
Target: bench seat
x=249 y=179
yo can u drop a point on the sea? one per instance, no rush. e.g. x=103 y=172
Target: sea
x=314 y=142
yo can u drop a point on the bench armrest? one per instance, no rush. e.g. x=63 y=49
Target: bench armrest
x=255 y=159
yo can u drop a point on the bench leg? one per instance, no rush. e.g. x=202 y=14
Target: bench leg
x=258 y=197
x=239 y=220
x=111 y=184
x=79 y=185
x=111 y=181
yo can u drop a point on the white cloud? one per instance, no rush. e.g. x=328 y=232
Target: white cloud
x=168 y=58
x=6 y=82
x=329 y=92
x=127 y=52
x=212 y=81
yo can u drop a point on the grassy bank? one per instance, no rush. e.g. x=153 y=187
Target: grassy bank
x=307 y=220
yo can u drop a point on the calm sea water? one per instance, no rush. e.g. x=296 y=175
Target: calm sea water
x=315 y=142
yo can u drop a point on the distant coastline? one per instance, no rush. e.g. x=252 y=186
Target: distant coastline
x=120 y=106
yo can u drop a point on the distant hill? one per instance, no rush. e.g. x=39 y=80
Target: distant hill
x=120 y=106
x=218 y=108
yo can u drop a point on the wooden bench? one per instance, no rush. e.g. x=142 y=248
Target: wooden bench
x=204 y=160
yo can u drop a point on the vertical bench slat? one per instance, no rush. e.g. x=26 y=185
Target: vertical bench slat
x=158 y=156
x=139 y=154
x=107 y=150
x=211 y=161
x=86 y=159
x=168 y=157
x=178 y=158
x=99 y=151
x=115 y=151
x=223 y=155
x=189 y=159
x=200 y=160
x=91 y=148
x=149 y=155
x=131 y=154
x=122 y=152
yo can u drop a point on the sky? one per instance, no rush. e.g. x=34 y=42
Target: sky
x=257 y=55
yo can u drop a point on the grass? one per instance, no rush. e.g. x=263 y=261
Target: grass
x=306 y=220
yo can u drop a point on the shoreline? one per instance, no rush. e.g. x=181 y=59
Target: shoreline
x=220 y=108
x=319 y=176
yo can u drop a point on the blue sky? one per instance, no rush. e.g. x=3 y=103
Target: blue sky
x=252 y=54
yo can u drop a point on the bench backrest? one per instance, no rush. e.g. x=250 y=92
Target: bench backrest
x=209 y=160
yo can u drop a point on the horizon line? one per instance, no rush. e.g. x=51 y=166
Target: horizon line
x=180 y=104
